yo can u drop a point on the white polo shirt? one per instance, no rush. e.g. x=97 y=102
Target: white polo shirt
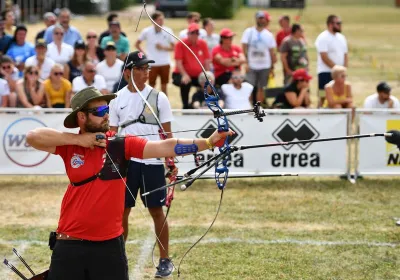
x=153 y=38
x=110 y=74
x=333 y=44
x=62 y=57
x=237 y=98
x=45 y=70
x=79 y=83
x=128 y=106
x=372 y=101
x=4 y=89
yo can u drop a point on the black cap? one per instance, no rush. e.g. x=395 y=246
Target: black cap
x=136 y=59
x=110 y=46
x=383 y=86
x=41 y=43
x=80 y=44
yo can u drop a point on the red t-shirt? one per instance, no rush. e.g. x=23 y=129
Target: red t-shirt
x=189 y=62
x=93 y=211
x=282 y=34
x=219 y=69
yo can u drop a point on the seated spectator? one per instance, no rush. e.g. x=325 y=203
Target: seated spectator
x=57 y=50
x=284 y=23
x=19 y=50
x=338 y=91
x=198 y=99
x=192 y=17
x=71 y=34
x=89 y=78
x=94 y=52
x=49 y=19
x=226 y=57
x=187 y=68
x=121 y=42
x=110 y=67
x=9 y=24
x=74 y=67
x=238 y=94
x=57 y=89
x=123 y=80
x=296 y=94
x=30 y=92
x=9 y=73
x=211 y=38
x=4 y=93
x=111 y=17
x=382 y=98
x=5 y=39
x=40 y=60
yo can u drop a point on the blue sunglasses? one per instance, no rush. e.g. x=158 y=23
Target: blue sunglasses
x=100 y=111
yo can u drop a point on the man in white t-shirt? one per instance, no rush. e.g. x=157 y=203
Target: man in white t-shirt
x=159 y=44
x=130 y=115
x=192 y=17
x=4 y=93
x=110 y=67
x=332 y=50
x=382 y=98
x=89 y=78
x=259 y=48
x=40 y=60
x=238 y=93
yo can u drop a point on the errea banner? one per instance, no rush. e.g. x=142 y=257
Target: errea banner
x=376 y=156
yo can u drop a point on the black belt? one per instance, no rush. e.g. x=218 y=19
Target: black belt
x=90 y=179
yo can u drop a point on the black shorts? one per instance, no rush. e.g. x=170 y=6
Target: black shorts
x=81 y=260
x=147 y=178
x=323 y=79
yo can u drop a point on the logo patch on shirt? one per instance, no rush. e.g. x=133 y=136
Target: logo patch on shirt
x=77 y=161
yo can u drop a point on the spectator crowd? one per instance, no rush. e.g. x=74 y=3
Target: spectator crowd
x=61 y=62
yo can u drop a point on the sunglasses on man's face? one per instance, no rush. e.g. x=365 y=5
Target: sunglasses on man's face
x=100 y=111
x=91 y=37
x=195 y=32
x=6 y=67
x=91 y=70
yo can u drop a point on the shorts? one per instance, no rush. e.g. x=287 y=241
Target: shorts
x=258 y=78
x=323 y=79
x=145 y=177
x=80 y=260
x=162 y=71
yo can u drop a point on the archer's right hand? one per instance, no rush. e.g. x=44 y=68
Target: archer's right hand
x=88 y=140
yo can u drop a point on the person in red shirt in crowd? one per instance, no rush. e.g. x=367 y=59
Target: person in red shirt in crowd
x=89 y=241
x=226 y=57
x=187 y=68
x=286 y=30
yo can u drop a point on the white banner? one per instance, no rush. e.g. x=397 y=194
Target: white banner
x=326 y=158
x=376 y=156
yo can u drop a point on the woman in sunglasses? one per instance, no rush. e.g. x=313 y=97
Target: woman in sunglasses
x=57 y=89
x=57 y=50
x=95 y=54
x=29 y=90
x=74 y=67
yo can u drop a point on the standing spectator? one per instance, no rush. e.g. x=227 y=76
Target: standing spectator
x=9 y=73
x=57 y=50
x=158 y=45
x=95 y=54
x=110 y=67
x=382 y=98
x=226 y=57
x=187 y=68
x=211 y=38
x=40 y=60
x=74 y=67
x=259 y=48
x=57 y=89
x=49 y=19
x=111 y=17
x=30 y=92
x=121 y=42
x=5 y=39
x=71 y=34
x=89 y=78
x=293 y=53
x=284 y=23
x=192 y=17
x=4 y=93
x=198 y=98
x=123 y=79
x=19 y=50
x=297 y=93
x=238 y=93
x=332 y=50
x=338 y=91
x=9 y=22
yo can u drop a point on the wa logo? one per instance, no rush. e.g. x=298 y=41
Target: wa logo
x=15 y=146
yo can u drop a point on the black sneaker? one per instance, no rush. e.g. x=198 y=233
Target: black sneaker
x=164 y=269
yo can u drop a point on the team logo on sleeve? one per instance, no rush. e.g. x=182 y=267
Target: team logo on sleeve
x=77 y=161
